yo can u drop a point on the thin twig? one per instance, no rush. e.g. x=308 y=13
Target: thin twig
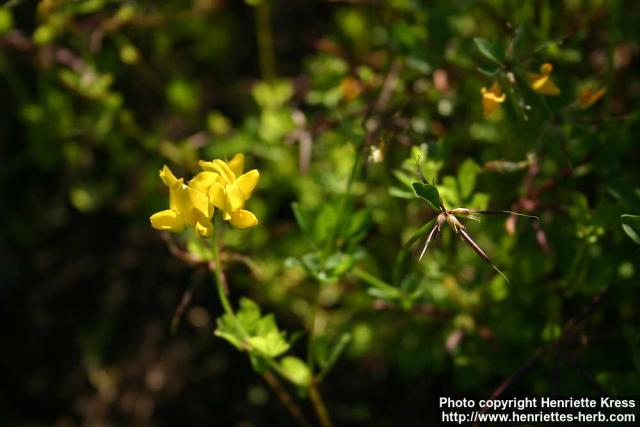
x=569 y=327
x=585 y=374
x=182 y=306
x=285 y=397
x=318 y=405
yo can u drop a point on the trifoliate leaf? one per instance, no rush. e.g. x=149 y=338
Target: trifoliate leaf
x=429 y=193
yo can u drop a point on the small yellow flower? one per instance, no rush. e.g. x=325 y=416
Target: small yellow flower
x=230 y=189
x=492 y=98
x=541 y=83
x=589 y=95
x=187 y=206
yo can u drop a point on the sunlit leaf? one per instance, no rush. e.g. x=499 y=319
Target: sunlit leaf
x=429 y=193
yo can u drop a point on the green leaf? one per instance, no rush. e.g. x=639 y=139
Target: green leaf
x=311 y=262
x=384 y=294
x=488 y=73
x=429 y=193
x=488 y=50
x=296 y=371
x=338 y=264
x=325 y=222
x=275 y=124
x=304 y=220
x=479 y=201
x=337 y=350
x=263 y=334
x=272 y=95
x=321 y=350
x=227 y=331
x=271 y=344
x=401 y=194
x=183 y=95
x=630 y=219
x=259 y=364
x=358 y=224
x=248 y=314
x=327 y=356
x=467 y=178
x=631 y=226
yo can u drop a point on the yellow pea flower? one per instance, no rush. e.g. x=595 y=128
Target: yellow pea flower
x=187 y=206
x=492 y=98
x=590 y=95
x=541 y=83
x=231 y=189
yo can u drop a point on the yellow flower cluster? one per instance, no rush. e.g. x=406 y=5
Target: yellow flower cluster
x=539 y=82
x=220 y=185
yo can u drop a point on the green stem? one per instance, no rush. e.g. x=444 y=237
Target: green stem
x=344 y=209
x=227 y=305
x=373 y=280
x=266 y=51
x=217 y=274
x=404 y=251
x=319 y=406
x=312 y=328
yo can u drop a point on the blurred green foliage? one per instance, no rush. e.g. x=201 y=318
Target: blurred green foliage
x=343 y=107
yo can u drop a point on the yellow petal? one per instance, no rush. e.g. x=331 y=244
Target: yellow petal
x=167 y=176
x=236 y=164
x=203 y=181
x=200 y=202
x=168 y=220
x=243 y=219
x=223 y=169
x=589 y=96
x=548 y=88
x=247 y=182
x=492 y=98
x=541 y=83
x=235 y=198
x=206 y=166
x=489 y=106
x=204 y=227
x=217 y=196
x=536 y=80
x=179 y=199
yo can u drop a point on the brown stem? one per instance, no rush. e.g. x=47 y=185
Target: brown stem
x=285 y=397
x=319 y=406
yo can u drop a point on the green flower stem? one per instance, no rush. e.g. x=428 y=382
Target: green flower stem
x=319 y=406
x=227 y=305
x=316 y=399
x=217 y=274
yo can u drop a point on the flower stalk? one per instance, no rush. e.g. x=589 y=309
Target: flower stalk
x=319 y=406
